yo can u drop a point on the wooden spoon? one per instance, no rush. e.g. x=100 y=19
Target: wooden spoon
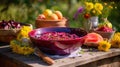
x=44 y=57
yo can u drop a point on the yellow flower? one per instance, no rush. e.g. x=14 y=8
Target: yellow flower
x=29 y=50
x=104 y=45
x=27 y=28
x=111 y=7
x=17 y=45
x=12 y=42
x=16 y=48
x=98 y=6
x=19 y=37
x=115 y=41
x=89 y=6
x=94 y=11
x=105 y=3
x=26 y=50
x=24 y=32
x=99 y=12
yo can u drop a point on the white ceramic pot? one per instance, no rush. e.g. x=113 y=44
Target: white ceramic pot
x=94 y=21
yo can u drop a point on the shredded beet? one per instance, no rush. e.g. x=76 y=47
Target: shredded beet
x=56 y=36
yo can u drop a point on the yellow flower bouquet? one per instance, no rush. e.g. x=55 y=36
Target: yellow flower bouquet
x=89 y=9
x=92 y=9
x=90 y=12
x=108 y=7
x=22 y=44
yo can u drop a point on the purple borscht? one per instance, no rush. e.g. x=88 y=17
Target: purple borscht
x=56 y=36
x=57 y=40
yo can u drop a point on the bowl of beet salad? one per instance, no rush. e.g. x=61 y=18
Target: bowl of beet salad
x=57 y=40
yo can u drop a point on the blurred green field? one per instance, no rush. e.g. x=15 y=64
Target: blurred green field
x=27 y=10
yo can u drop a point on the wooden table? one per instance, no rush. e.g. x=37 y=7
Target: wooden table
x=88 y=59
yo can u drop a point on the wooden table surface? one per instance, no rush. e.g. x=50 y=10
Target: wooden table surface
x=6 y=55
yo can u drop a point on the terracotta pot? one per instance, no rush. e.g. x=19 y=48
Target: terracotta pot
x=51 y=23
